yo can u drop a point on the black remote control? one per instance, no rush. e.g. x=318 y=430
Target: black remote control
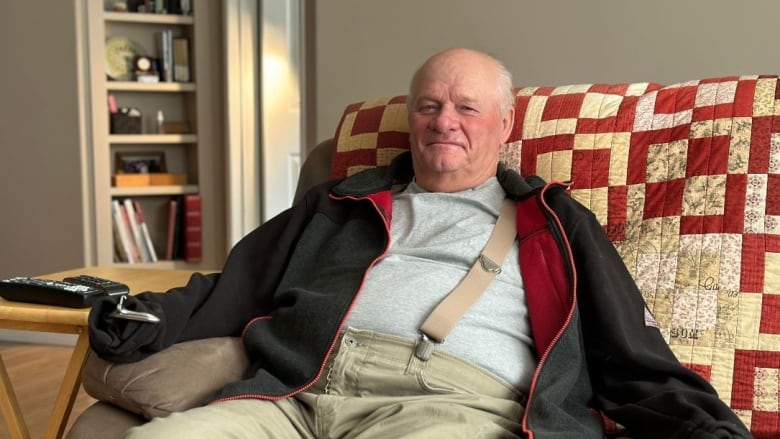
x=110 y=287
x=49 y=292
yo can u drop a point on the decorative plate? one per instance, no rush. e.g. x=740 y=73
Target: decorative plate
x=120 y=53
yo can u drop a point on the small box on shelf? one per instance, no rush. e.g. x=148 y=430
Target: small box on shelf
x=149 y=179
x=122 y=123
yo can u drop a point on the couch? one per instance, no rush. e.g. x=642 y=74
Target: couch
x=685 y=179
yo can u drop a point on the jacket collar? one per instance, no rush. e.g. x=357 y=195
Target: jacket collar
x=401 y=172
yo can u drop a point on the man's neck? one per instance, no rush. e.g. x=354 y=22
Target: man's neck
x=451 y=182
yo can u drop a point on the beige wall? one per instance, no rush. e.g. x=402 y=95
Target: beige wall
x=358 y=49
x=41 y=217
x=370 y=48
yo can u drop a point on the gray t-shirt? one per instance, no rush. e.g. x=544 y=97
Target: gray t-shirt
x=435 y=239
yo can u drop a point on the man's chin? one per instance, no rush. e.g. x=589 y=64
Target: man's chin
x=443 y=167
x=436 y=159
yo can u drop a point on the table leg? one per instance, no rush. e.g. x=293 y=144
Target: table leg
x=10 y=406
x=69 y=388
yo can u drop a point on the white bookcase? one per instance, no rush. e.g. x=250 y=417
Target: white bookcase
x=198 y=153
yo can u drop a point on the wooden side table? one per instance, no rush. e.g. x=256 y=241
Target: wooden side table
x=43 y=318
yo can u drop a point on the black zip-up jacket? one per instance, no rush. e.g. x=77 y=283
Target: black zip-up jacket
x=288 y=286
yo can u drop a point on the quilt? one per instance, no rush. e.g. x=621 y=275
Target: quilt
x=685 y=180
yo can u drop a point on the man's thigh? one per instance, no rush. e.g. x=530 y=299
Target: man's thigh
x=456 y=416
x=239 y=419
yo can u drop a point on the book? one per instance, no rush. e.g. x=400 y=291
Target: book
x=178 y=231
x=192 y=236
x=135 y=229
x=172 y=6
x=125 y=234
x=145 y=236
x=119 y=250
x=166 y=55
x=173 y=220
x=181 y=59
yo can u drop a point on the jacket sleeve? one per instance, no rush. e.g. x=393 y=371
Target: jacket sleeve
x=637 y=380
x=211 y=305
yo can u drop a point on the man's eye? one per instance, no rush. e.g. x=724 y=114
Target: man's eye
x=429 y=108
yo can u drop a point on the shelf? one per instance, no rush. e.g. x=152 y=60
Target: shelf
x=153 y=87
x=194 y=152
x=146 y=139
x=150 y=191
x=146 y=18
x=165 y=264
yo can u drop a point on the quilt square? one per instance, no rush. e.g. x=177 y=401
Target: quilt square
x=394 y=118
x=392 y=139
x=666 y=161
x=695 y=312
x=735 y=186
x=664 y=198
x=774 y=152
x=773 y=194
x=708 y=155
x=553 y=166
x=563 y=106
x=760 y=141
x=671 y=100
x=704 y=195
x=772 y=275
x=752 y=267
x=755 y=203
x=714 y=93
x=367 y=120
x=763 y=95
x=765 y=396
x=590 y=168
x=600 y=106
x=770 y=309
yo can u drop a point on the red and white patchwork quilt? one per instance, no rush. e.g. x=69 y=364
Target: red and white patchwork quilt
x=685 y=180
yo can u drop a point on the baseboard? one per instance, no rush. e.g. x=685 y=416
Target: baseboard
x=29 y=337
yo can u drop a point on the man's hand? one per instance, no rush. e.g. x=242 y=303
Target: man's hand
x=121 y=340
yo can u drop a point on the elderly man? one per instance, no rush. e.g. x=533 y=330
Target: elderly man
x=338 y=300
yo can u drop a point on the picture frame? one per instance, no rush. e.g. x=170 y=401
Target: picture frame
x=151 y=162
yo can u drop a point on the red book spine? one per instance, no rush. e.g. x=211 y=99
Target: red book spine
x=173 y=219
x=193 y=237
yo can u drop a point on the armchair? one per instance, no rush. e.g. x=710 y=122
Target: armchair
x=685 y=180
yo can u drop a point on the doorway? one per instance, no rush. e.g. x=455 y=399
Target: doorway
x=263 y=76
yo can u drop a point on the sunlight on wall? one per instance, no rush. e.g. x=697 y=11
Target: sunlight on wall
x=281 y=101
x=274 y=71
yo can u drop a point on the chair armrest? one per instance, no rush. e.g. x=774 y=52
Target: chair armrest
x=180 y=377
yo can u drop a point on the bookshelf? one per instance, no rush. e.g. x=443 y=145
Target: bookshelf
x=194 y=151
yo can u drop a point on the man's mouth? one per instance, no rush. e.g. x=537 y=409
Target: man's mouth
x=443 y=142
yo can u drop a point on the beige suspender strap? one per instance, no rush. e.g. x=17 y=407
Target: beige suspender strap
x=443 y=318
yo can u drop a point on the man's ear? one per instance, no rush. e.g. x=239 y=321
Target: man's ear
x=507 y=122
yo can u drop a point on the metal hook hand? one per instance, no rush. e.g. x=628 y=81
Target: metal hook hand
x=123 y=313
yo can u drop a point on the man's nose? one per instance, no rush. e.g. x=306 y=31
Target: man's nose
x=445 y=120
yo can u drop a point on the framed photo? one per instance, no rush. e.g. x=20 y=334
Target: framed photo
x=140 y=162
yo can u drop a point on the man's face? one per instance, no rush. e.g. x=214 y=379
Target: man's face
x=456 y=126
